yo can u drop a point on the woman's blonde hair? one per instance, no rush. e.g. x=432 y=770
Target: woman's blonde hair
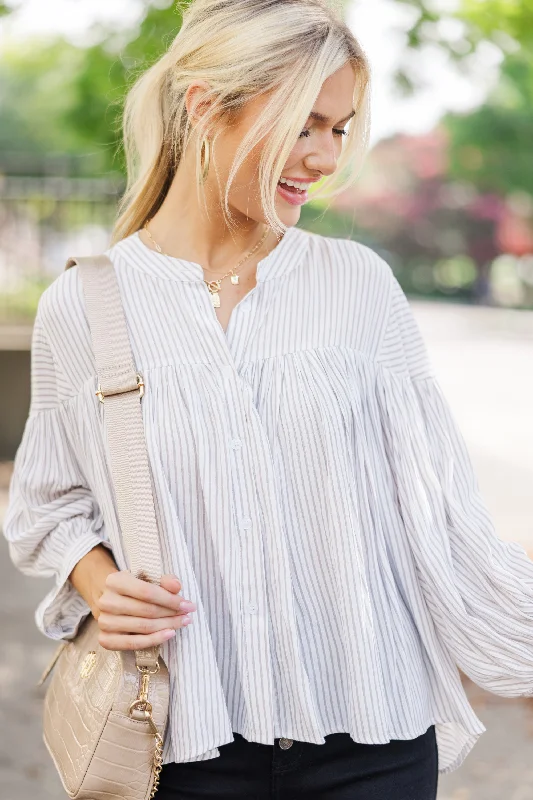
x=284 y=49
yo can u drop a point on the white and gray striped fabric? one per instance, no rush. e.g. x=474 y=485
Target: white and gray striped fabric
x=314 y=497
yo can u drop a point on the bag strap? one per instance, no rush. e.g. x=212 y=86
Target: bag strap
x=120 y=389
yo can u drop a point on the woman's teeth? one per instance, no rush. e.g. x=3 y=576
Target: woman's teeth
x=293 y=185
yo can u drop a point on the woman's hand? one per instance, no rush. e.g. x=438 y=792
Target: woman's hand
x=134 y=614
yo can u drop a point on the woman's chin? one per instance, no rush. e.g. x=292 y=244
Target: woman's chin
x=287 y=213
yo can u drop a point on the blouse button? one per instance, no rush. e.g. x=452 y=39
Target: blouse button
x=246 y=523
x=236 y=444
x=252 y=609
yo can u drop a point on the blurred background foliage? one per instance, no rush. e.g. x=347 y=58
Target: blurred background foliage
x=451 y=210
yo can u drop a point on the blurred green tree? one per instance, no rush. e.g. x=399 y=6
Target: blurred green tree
x=506 y=23
x=60 y=99
x=491 y=147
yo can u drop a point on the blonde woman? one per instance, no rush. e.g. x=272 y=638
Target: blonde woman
x=321 y=526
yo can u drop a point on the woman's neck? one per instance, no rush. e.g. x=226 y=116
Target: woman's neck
x=182 y=229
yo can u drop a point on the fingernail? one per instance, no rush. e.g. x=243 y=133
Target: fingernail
x=187 y=605
x=168 y=634
x=186 y=620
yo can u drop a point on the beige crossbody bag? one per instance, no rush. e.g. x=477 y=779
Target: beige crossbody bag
x=105 y=711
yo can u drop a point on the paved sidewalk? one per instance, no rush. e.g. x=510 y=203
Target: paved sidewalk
x=484 y=360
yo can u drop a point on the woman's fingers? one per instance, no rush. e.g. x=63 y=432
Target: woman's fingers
x=119 y=604
x=125 y=583
x=125 y=641
x=111 y=623
x=135 y=614
x=170 y=583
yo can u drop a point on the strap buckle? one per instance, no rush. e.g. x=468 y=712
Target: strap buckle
x=140 y=386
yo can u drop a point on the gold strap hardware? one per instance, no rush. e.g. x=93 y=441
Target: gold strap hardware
x=142 y=708
x=140 y=386
x=141 y=704
x=145 y=680
x=150 y=671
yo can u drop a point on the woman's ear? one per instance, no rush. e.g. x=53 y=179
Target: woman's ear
x=195 y=101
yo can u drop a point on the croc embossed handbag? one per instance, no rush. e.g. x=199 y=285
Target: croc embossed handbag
x=105 y=711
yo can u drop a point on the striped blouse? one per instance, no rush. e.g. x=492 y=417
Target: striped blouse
x=313 y=493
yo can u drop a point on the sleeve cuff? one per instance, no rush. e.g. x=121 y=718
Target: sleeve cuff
x=62 y=611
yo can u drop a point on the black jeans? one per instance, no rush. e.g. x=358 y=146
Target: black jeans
x=340 y=769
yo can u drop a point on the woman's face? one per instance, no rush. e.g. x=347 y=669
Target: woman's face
x=313 y=156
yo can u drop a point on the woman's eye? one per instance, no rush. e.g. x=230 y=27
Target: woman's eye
x=336 y=131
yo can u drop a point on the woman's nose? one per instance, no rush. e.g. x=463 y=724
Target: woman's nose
x=324 y=160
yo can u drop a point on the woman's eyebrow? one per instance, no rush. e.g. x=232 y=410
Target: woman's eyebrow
x=326 y=120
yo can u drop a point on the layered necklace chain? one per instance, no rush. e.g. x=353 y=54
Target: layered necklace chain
x=216 y=285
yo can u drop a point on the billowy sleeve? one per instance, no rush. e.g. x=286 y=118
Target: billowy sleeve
x=52 y=519
x=478 y=588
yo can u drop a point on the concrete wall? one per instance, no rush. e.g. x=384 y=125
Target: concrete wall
x=15 y=360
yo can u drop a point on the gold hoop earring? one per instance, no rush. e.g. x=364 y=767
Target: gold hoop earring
x=205 y=158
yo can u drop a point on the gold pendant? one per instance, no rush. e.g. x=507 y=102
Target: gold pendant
x=235 y=279
x=214 y=287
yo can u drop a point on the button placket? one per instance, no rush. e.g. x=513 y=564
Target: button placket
x=242 y=316
x=254 y=623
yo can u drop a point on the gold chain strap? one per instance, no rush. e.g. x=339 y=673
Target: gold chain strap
x=141 y=706
x=158 y=763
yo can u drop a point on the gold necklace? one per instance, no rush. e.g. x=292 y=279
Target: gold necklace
x=215 y=286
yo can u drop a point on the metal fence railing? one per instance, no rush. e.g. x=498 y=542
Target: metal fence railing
x=43 y=220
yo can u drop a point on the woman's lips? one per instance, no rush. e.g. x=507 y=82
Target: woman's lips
x=294 y=198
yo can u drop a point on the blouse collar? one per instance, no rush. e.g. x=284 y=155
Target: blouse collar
x=283 y=258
